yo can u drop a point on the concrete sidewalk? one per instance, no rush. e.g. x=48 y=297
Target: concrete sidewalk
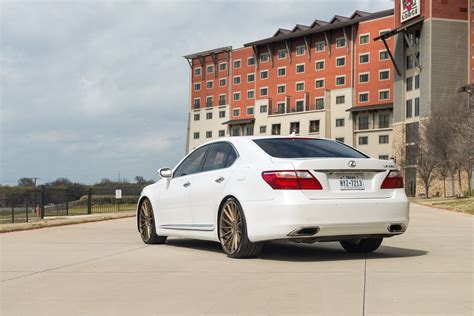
x=103 y=268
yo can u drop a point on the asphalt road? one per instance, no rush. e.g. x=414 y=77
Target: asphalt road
x=103 y=268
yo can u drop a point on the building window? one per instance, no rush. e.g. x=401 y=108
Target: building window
x=196 y=135
x=281 y=71
x=209 y=84
x=222 y=82
x=281 y=88
x=417 y=106
x=264 y=74
x=364 y=78
x=384 y=120
x=384 y=74
x=281 y=108
x=300 y=50
x=250 y=94
x=235 y=131
x=221 y=133
x=417 y=37
x=196 y=117
x=197 y=103
x=299 y=68
x=314 y=126
x=210 y=69
x=263 y=109
x=409 y=83
x=364 y=97
x=222 y=99
x=409 y=110
x=319 y=46
x=282 y=54
x=221 y=114
x=264 y=57
x=340 y=42
x=236 y=112
x=299 y=105
x=250 y=77
x=417 y=82
x=319 y=103
x=263 y=129
x=340 y=139
x=251 y=61
x=197 y=86
x=319 y=65
x=364 y=39
x=363 y=140
x=383 y=139
x=383 y=157
x=295 y=127
x=197 y=71
x=276 y=129
x=250 y=110
x=339 y=122
x=363 y=122
x=249 y=130
x=263 y=92
x=409 y=61
x=340 y=99
x=237 y=63
x=209 y=101
x=319 y=83
x=208 y=134
x=299 y=86
x=222 y=66
x=236 y=96
x=237 y=80
x=383 y=55
x=384 y=95
x=340 y=80
x=364 y=58
x=340 y=61
x=209 y=116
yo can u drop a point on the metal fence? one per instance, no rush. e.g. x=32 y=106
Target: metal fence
x=44 y=202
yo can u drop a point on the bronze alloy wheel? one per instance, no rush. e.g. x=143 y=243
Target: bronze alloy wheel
x=233 y=232
x=146 y=225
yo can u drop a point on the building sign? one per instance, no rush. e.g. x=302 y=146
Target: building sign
x=118 y=194
x=409 y=9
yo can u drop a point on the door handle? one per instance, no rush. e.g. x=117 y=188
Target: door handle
x=186 y=184
x=219 y=180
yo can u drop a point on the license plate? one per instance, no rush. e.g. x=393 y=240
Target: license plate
x=351 y=183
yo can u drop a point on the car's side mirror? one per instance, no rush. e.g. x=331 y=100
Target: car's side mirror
x=165 y=172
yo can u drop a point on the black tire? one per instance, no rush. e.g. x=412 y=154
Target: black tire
x=243 y=248
x=146 y=224
x=361 y=245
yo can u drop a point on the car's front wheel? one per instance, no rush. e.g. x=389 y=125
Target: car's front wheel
x=361 y=245
x=233 y=232
x=146 y=224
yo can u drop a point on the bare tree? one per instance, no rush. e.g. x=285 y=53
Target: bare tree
x=425 y=160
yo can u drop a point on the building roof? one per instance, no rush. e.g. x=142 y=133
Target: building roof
x=370 y=107
x=336 y=22
x=209 y=52
x=240 y=121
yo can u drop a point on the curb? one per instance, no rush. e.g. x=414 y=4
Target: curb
x=63 y=221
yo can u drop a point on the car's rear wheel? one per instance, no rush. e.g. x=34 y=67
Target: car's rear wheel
x=361 y=245
x=146 y=224
x=233 y=232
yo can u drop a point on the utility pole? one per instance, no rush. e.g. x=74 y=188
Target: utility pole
x=35 y=178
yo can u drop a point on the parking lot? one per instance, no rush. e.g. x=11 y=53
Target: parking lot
x=104 y=268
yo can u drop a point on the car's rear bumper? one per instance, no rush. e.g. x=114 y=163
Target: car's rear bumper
x=276 y=219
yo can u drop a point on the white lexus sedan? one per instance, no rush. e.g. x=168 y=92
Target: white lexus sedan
x=243 y=191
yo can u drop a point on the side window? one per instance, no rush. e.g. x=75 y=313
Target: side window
x=191 y=164
x=221 y=155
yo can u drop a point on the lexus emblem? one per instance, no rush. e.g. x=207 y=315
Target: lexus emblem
x=352 y=163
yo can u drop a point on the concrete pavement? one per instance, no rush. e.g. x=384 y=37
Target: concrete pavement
x=103 y=268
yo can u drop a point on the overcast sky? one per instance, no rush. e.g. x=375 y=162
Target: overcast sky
x=93 y=88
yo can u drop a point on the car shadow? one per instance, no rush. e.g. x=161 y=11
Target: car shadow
x=297 y=252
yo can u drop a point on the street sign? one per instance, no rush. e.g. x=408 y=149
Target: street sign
x=118 y=194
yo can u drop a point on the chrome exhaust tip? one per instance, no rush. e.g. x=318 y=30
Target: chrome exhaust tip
x=304 y=232
x=396 y=228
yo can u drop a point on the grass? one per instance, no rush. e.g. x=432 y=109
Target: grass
x=464 y=205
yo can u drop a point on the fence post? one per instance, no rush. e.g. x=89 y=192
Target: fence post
x=43 y=198
x=26 y=209
x=13 y=214
x=89 y=201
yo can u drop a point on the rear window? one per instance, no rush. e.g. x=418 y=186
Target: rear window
x=306 y=148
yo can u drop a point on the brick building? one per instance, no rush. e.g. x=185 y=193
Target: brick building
x=355 y=79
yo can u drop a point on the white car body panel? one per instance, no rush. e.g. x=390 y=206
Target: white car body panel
x=192 y=212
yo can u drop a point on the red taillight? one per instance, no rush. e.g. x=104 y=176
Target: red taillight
x=394 y=180
x=291 y=180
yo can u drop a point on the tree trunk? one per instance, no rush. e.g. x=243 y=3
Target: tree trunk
x=451 y=176
x=469 y=180
x=444 y=186
x=461 y=193
x=426 y=189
